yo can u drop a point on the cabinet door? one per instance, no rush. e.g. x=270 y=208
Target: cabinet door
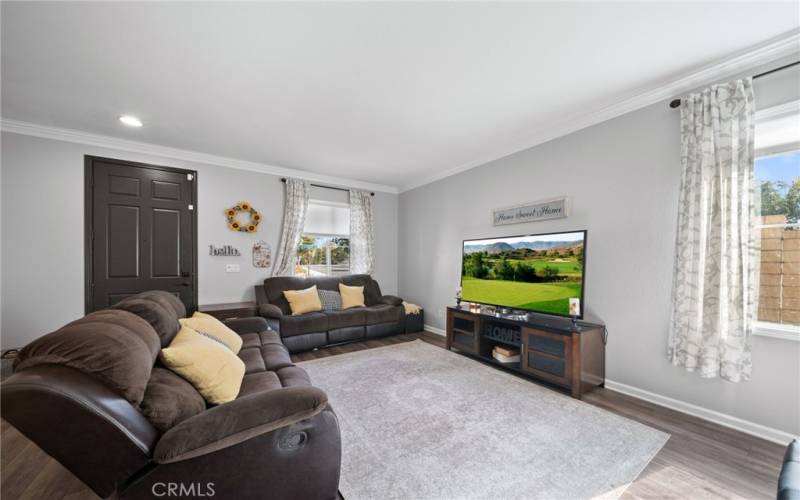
x=462 y=331
x=547 y=355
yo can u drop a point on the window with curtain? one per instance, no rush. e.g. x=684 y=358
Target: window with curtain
x=324 y=248
x=777 y=173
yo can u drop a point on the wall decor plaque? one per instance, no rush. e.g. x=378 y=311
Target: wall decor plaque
x=262 y=254
x=554 y=208
x=223 y=251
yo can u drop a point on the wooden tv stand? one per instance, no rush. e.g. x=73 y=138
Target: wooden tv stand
x=552 y=350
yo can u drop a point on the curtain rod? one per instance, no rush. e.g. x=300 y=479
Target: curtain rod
x=283 y=180
x=677 y=102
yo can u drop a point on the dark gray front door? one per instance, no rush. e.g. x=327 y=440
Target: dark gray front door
x=141 y=231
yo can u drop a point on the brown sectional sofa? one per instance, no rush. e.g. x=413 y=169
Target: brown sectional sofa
x=383 y=314
x=93 y=396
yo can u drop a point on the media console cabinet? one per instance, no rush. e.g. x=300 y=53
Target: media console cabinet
x=552 y=350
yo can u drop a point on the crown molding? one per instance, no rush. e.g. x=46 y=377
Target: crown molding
x=777 y=48
x=783 y=46
x=104 y=141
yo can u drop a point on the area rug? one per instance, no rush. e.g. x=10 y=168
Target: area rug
x=419 y=422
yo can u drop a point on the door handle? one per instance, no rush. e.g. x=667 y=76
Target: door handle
x=186 y=283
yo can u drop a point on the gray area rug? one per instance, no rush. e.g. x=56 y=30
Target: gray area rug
x=420 y=422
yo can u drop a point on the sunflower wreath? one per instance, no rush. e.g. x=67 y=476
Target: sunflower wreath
x=235 y=225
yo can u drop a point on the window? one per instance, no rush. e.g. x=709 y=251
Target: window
x=324 y=248
x=777 y=172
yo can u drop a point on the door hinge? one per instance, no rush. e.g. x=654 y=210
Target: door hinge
x=189 y=177
x=191 y=207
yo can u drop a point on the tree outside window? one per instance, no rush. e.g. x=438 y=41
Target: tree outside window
x=778 y=177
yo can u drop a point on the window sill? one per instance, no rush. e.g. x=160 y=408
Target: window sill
x=777 y=331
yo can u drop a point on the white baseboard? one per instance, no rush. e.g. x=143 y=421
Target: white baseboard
x=433 y=329
x=725 y=420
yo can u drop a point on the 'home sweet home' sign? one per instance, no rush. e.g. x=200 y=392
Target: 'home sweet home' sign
x=555 y=208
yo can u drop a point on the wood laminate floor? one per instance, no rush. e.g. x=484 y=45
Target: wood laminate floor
x=701 y=460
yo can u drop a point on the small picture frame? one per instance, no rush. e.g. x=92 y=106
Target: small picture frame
x=574 y=306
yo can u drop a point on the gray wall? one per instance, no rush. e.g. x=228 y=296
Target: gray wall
x=42 y=232
x=622 y=176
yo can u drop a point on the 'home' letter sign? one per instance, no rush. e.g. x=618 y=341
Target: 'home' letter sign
x=555 y=208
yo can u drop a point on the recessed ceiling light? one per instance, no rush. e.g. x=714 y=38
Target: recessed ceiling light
x=130 y=121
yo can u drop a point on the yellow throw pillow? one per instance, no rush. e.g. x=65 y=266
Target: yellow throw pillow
x=303 y=301
x=352 y=296
x=208 y=325
x=207 y=364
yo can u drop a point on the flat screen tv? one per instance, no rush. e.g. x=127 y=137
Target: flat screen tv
x=537 y=272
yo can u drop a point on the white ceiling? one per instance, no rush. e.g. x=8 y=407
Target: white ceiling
x=387 y=93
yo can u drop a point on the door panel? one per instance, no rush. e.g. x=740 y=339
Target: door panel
x=118 y=184
x=166 y=190
x=166 y=239
x=122 y=242
x=141 y=231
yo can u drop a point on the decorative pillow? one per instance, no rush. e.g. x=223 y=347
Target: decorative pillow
x=208 y=365
x=211 y=327
x=303 y=301
x=352 y=296
x=331 y=300
x=116 y=347
x=169 y=400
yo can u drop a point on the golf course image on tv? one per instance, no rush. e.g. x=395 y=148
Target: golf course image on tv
x=537 y=273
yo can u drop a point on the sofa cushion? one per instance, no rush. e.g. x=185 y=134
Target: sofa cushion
x=253 y=360
x=303 y=301
x=251 y=340
x=275 y=356
x=289 y=376
x=215 y=329
x=259 y=382
x=116 y=347
x=383 y=314
x=270 y=337
x=159 y=308
x=257 y=339
x=292 y=376
x=210 y=366
x=169 y=399
x=346 y=318
x=307 y=323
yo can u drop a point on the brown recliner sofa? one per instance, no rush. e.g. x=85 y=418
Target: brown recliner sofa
x=383 y=314
x=93 y=396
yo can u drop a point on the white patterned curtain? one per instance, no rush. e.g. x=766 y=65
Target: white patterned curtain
x=294 y=217
x=362 y=233
x=716 y=260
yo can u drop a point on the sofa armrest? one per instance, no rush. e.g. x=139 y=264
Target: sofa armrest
x=789 y=479
x=241 y=326
x=270 y=311
x=391 y=300
x=232 y=423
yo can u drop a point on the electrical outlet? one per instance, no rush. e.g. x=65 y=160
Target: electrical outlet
x=232 y=268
